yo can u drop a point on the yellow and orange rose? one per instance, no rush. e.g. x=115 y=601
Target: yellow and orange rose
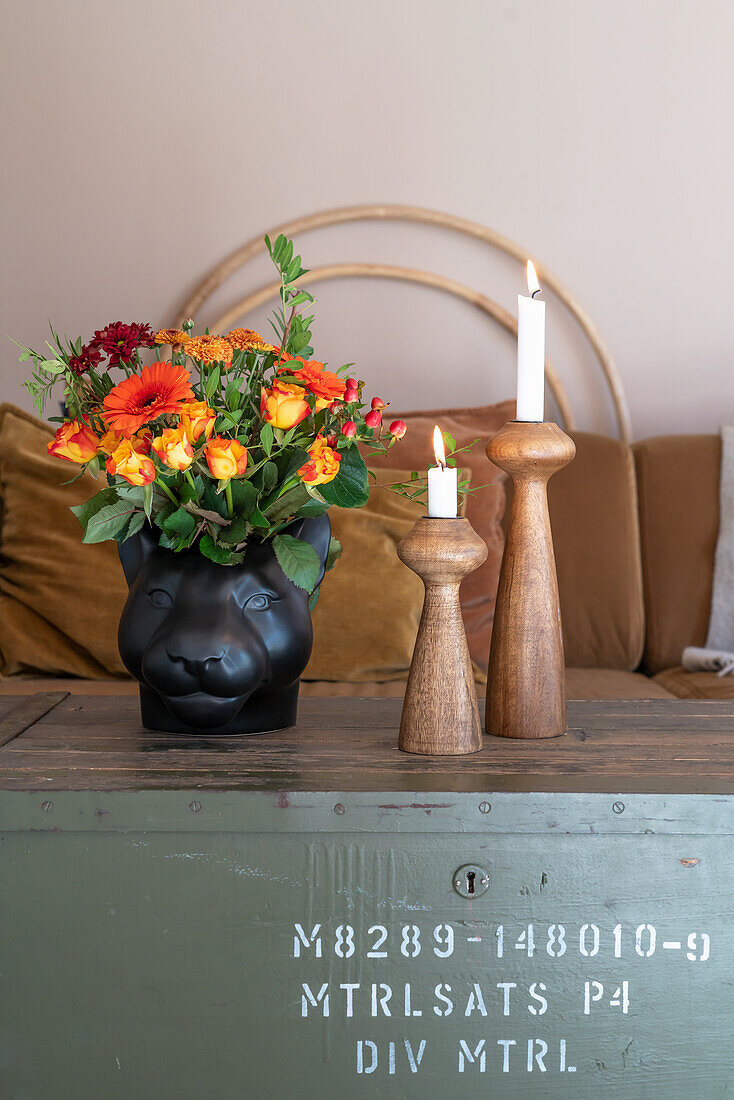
x=131 y=461
x=174 y=449
x=284 y=405
x=323 y=463
x=197 y=419
x=226 y=458
x=75 y=441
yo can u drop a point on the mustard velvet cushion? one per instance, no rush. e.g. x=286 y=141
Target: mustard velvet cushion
x=367 y=615
x=60 y=601
x=484 y=507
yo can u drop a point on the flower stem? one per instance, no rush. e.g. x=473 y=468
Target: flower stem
x=189 y=478
x=228 y=494
x=166 y=490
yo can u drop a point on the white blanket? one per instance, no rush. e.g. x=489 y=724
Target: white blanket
x=718 y=653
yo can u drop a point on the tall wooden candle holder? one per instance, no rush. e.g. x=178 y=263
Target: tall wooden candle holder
x=526 y=678
x=440 y=711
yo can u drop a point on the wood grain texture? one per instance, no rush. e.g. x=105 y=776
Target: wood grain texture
x=394 y=212
x=97 y=743
x=440 y=711
x=526 y=676
x=20 y=716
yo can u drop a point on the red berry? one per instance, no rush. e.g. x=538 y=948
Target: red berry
x=351 y=395
x=334 y=406
x=378 y=403
x=398 y=428
x=373 y=419
x=349 y=429
x=352 y=384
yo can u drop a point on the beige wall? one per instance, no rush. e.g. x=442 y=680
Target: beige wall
x=142 y=140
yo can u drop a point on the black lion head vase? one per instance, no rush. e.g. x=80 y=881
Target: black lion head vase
x=216 y=649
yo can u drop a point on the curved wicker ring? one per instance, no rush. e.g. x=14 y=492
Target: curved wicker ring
x=383 y=212
x=425 y=278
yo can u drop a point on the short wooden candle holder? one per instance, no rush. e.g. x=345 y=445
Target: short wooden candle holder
x=440 y=711
x=526 y=677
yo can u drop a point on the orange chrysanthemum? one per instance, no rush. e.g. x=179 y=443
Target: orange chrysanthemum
x=210 y=349
x=242 y=339
x=174 y=336
x=158 y=389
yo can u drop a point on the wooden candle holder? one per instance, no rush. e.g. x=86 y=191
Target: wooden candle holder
x=526 y=677
x=440 y=711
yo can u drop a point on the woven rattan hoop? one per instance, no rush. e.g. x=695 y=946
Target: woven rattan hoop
x=404 y=274
x=382 y=212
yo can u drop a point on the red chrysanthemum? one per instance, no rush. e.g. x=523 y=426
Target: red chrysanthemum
x=87 y=357
x=119 y=342
x=142 y=398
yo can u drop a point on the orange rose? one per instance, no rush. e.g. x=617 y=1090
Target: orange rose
x=174 y=449
x=283 y=405
x=323 y=464
x=74 y=441
x=131 y=462
x=226 y=458
x=110 y=441
x=197 y=419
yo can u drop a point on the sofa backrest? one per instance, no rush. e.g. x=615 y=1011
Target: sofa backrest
x=678 y=490
x=593 y=509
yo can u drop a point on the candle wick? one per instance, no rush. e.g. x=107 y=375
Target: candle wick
x=535 y=292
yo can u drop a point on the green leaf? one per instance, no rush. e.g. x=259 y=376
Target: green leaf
x=211 y=383
x=148 y=499
x=89 y=508
x=235 y=533
x=287 y=504
x=266 y=438
x=218 y=554
x=233 y=396
x=313 y=507
x=334 y=553
x=135 y=524
x=244 y=497
x=350 y=487
x=257 y=519
x=108 y=522
x=179 y=524
x=313 y=599
x=52 y=366
x=298 y=560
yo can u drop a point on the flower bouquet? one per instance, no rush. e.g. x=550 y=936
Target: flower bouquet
x=222 y=456
x=220 y=440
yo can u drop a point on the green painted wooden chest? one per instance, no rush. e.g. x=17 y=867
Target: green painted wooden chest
x=314 y=914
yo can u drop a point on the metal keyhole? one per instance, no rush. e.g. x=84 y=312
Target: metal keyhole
x=471 y=881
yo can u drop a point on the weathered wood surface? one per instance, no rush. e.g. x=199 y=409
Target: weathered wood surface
x=97 y=743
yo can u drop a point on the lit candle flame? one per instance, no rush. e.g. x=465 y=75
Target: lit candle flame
x=438 y=447
x=532 y=277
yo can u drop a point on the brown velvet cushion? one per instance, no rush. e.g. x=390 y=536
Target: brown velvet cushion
x=484 y=507
x=678 y=490
x=59 y=599
x=593 y=510
x=611 y=683
x=367 y=615
x=696 y=685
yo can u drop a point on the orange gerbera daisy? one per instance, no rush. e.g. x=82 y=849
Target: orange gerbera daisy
x=158 y=389
x=210 y=349
x=173 y=336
